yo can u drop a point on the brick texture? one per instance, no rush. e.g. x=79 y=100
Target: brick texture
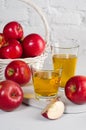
x=66 y=18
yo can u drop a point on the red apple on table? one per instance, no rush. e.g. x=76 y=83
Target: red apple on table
x=33 y=45
x=13 y=30
x=11 y=49
x=11 y=95
x=2 y=40
x=18 y=71
x=75 y=89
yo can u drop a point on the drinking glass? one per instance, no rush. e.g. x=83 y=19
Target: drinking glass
x=65 y=55
x=46 y=81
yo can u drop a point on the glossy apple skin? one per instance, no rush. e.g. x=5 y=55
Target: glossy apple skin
x=33 y=45
x=11 y=49
x=75 y=89
x=2 y=40
x=13 y=30
x=11 y=95
x=18 y=71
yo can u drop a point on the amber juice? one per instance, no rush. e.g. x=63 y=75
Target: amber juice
x=46 y=83
x=68 y=63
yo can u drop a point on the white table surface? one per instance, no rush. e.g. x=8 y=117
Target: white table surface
x=29 y=118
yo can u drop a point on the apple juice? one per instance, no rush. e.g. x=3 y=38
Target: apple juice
x=46 y=83
x=68 y=63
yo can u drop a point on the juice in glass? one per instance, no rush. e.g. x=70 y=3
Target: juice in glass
x=65 y=55
x=46 y=83
x=68 y=63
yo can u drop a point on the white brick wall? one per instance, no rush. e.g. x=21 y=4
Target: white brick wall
x=66 y=18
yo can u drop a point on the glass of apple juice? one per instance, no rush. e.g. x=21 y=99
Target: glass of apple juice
x=46 y=81
x=65 y=55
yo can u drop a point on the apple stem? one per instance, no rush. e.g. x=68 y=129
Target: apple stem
x=6 y=44
x=10 y=72
x=73 y=88
x=0 y=39
x=13 y=94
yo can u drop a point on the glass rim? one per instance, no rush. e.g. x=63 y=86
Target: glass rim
x=46 y=70
x=61 y=47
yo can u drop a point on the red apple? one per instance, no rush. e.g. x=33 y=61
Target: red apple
x=18 y=71
x=2 y=40
x=11 y=49
x=13 y=30
x=11 y=95
x=33 y=45
x=53 y=110
x=75 y=89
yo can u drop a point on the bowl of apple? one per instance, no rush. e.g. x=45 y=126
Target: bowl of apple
x=15 y=44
